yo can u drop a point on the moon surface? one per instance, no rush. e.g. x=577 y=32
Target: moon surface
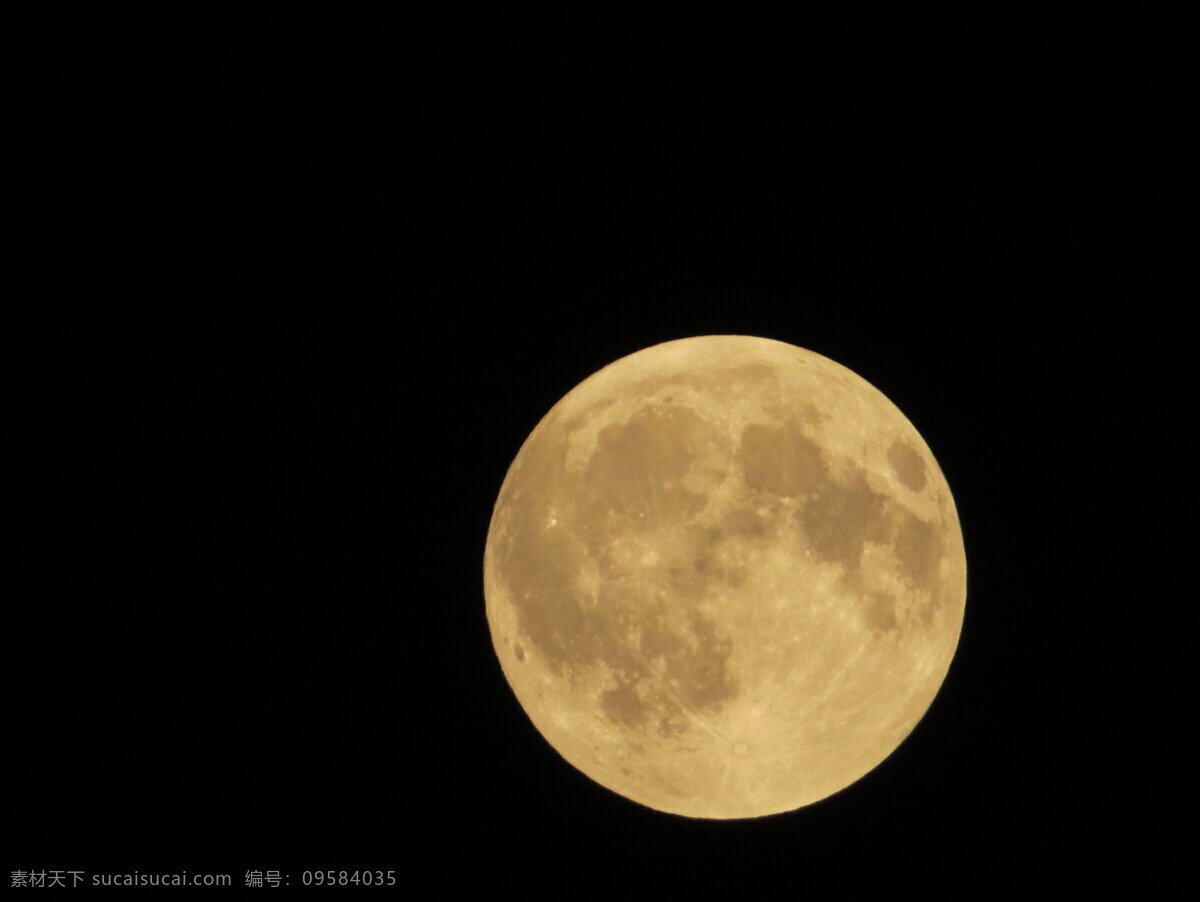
x=725 y=577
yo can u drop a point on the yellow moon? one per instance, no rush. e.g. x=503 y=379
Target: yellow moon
x=725 y=577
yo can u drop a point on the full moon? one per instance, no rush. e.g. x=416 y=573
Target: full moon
x=725 y=577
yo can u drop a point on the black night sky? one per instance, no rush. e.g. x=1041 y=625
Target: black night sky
x=333 y=283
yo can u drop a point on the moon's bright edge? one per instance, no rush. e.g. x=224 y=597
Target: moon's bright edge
x=725 y=577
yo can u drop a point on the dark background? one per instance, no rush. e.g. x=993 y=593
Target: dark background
x=304 y=300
